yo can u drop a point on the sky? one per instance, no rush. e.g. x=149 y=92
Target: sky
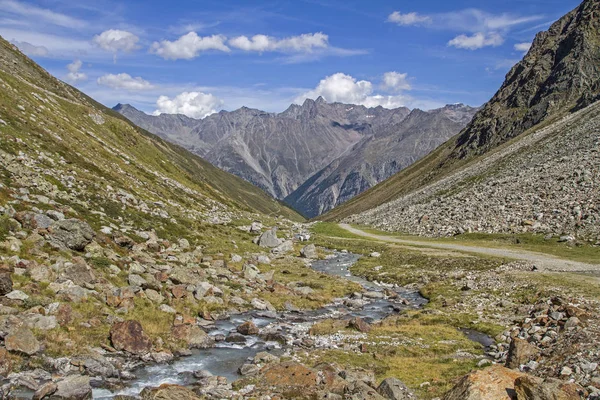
x=200 y=57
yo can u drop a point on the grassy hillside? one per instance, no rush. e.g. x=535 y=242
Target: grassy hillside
x=48 y=115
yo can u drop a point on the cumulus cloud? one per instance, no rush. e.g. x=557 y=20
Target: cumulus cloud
x=477 y=41
x=305 y=43
x=524 y=47
x=32 y=50
x=193 y=104
x=124 y=81
x=189 y=46
x=74 y=74
x=115 y=41
x=395 y=81
x=344 y=88
x=411 y=18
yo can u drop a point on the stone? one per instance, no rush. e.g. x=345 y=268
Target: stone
x=394 y=389
x=235 y=337
x=42 y=221
x=359 y=324
x=22 y=340
x=154 y=296
x=534 y=388
x=78 y=272
x=520 y=352
x=168 y=392
x=268 y=239
x=262 y=305
x=129 y=336
x=572 y=322
x=250 y=271
x=192 y=335
x=236 y=258
x=248 y=370
x=17 y=295
x=6 y=283
x=495 y=382
x=290 y=375
x=360 y=390
x=45 y=390
x=375 y=254
x=136 y=280
x=309 y=251
x=71 y=234
x=248 y=328
x=167 y=309
x=283 y=248
x=75 y=387
x=41 y=322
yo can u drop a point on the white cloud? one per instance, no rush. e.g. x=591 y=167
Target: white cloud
x=115 y=40
x=477 y=41
x=124 y=81
x=189 y=46
x=411 y=18
x=193 y=104
x=305 y=43
x=74 y=75
x=32 y=12
x=344 y=88
x=31 y=50
x=524 y=47
x=395 y=81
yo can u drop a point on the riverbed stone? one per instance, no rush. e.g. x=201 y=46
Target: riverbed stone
x=248 y=328
x=129 y=336
x=395 y=389
x=74 y=387
x=22 y=340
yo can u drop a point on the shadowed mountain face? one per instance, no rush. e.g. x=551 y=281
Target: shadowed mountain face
x=560 y=75
x=314 y=156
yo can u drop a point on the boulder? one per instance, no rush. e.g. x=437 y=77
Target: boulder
x=74 y=387
x=494 y=382
x=359 y=324
x=283 y=248
x=192 y=335
x=78 y=272
x=360 y=390
x=168 y=392
x=250 y=271
x=309 y=251
x=289 y=375
x=22 y=340
x=45 y=391
x=130 y=337
x=71 y=234
x=248 y=370
x=533 y=388
x=248 y=328
x=268 y=239
x=6 y=283
x=394 y=389
x=520 y=352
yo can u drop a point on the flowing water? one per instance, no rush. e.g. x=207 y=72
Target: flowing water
x=226 y=358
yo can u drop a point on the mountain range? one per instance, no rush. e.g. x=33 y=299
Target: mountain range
x=313 y=156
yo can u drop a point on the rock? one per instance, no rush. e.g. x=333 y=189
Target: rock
x=168 y=392
x=130 y=337
x=262 y=305
x=359 y=324
x=309 y=251
x=167 y=309
x=41 y=322
x=283 y=248
x=394 y=389
x=78 y=272
x=136 y=280
x=268 y=239
x=290 y=375
x=250 y=271
x=154 y=296
x=572 y=322
x=22 y=340
x=248 y=328
x=71 y=234
x=520 y=352
x=532 y=388
x=235 y=258
x=248 y=370
x=44 y=391
x=192 y=335
x=17 y=295
x=375 y=254
x=6 y=283
x=494 y=382
x=234 y=337
x=74 y=387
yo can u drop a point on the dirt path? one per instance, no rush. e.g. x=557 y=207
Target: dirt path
x=541 y=261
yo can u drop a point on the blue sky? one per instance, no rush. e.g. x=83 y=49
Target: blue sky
x=197 y=57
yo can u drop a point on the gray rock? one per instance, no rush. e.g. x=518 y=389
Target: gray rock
x=269 y=239
x=74 y=387
x=71 y=234
x=394 y=389
x=309 y=251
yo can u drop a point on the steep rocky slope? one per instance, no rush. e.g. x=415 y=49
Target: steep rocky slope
x=559 y=75
x=310 y=155
x=377 y=157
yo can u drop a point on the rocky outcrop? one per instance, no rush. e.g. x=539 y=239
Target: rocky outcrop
x=169 y=392
x=495 y=382
x=129 y=336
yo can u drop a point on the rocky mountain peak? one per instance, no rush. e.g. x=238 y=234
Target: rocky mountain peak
x=559 y=74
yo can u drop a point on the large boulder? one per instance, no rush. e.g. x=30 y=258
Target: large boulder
x=495 y=382
x=78 y=272
x=74 y=387
x=193 y=336
x=283 y=248
x=395 y=389
x=290 y=375
x=309 y=251
x=168 y=392
x=129 y=336
x=71 y=234
x=533 y=388
x=6 y=283
x=269 y=239
x=520 y=352
x=22 y=340
x=248 y=328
